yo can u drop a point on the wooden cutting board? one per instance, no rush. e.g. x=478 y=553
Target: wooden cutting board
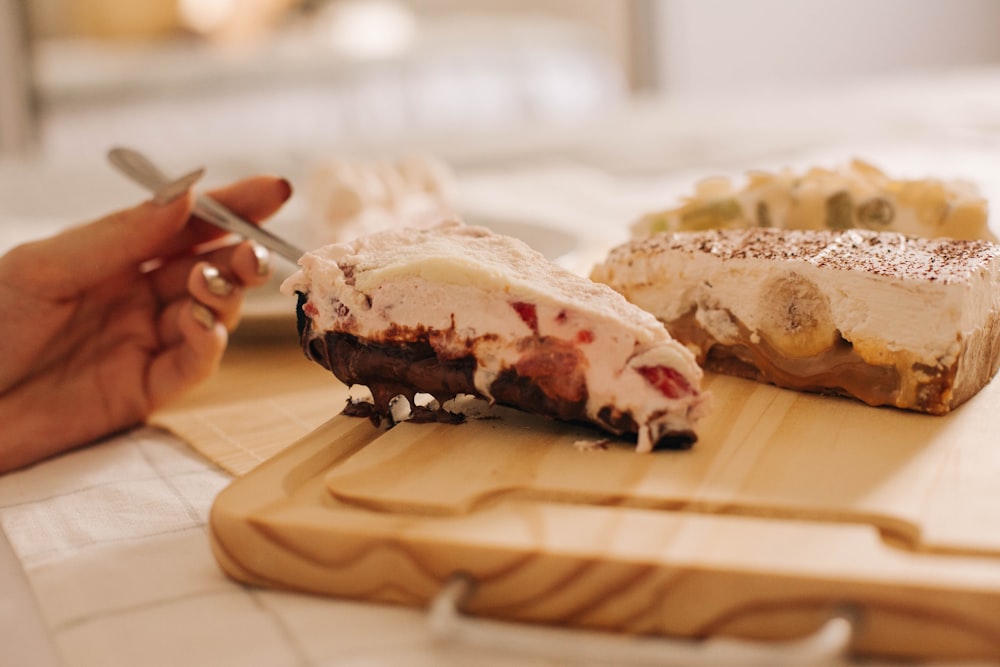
x=789 y=506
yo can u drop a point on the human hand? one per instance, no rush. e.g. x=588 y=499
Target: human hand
x=106 y=322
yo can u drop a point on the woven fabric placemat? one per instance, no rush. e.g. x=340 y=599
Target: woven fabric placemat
x=265 y=397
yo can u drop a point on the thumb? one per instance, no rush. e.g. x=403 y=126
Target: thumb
x=83 y=256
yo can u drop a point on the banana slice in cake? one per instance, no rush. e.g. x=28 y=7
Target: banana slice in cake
x=883 y=317
x=458 y=309
x=858 y=196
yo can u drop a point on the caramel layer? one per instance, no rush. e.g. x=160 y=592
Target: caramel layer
x=839 y=370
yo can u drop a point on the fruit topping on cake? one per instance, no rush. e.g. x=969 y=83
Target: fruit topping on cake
x=858 y=196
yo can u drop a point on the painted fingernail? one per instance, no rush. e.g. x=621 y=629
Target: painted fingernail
x=287 y=187
x=203 y=315
x=176 y=188
x=263 y=256
x=215 y=282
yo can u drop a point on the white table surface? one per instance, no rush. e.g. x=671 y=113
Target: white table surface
x=112 y=539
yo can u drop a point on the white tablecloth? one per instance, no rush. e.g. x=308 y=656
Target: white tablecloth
x=113 y=539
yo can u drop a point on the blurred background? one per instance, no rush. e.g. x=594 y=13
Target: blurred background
x=231 y=76
x=624 y=96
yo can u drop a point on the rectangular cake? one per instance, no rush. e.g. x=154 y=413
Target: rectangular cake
x=457 y=309
x=882 y=317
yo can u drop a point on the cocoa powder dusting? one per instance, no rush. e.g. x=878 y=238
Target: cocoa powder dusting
x=886 y=254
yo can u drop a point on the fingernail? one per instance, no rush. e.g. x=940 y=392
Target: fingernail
x=215 y=281
x=203 y=315
x=177 y=188
x=263 y=256
x=287 y=186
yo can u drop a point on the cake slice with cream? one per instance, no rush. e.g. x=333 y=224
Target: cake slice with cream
x=886 y=318
x=457 y=309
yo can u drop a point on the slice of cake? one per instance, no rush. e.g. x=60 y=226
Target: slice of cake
x=885 y=318
x=456 y=309
x=858 y=196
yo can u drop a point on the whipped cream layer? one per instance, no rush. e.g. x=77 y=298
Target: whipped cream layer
x=470 y=292
x=898 y=301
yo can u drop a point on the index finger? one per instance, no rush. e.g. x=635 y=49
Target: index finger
x=256 y=199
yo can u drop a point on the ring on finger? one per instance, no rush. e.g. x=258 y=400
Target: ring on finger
x=215 y=282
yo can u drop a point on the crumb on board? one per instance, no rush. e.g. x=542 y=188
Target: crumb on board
x=591 y=445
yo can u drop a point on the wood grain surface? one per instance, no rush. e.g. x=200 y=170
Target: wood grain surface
x=789 y=506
